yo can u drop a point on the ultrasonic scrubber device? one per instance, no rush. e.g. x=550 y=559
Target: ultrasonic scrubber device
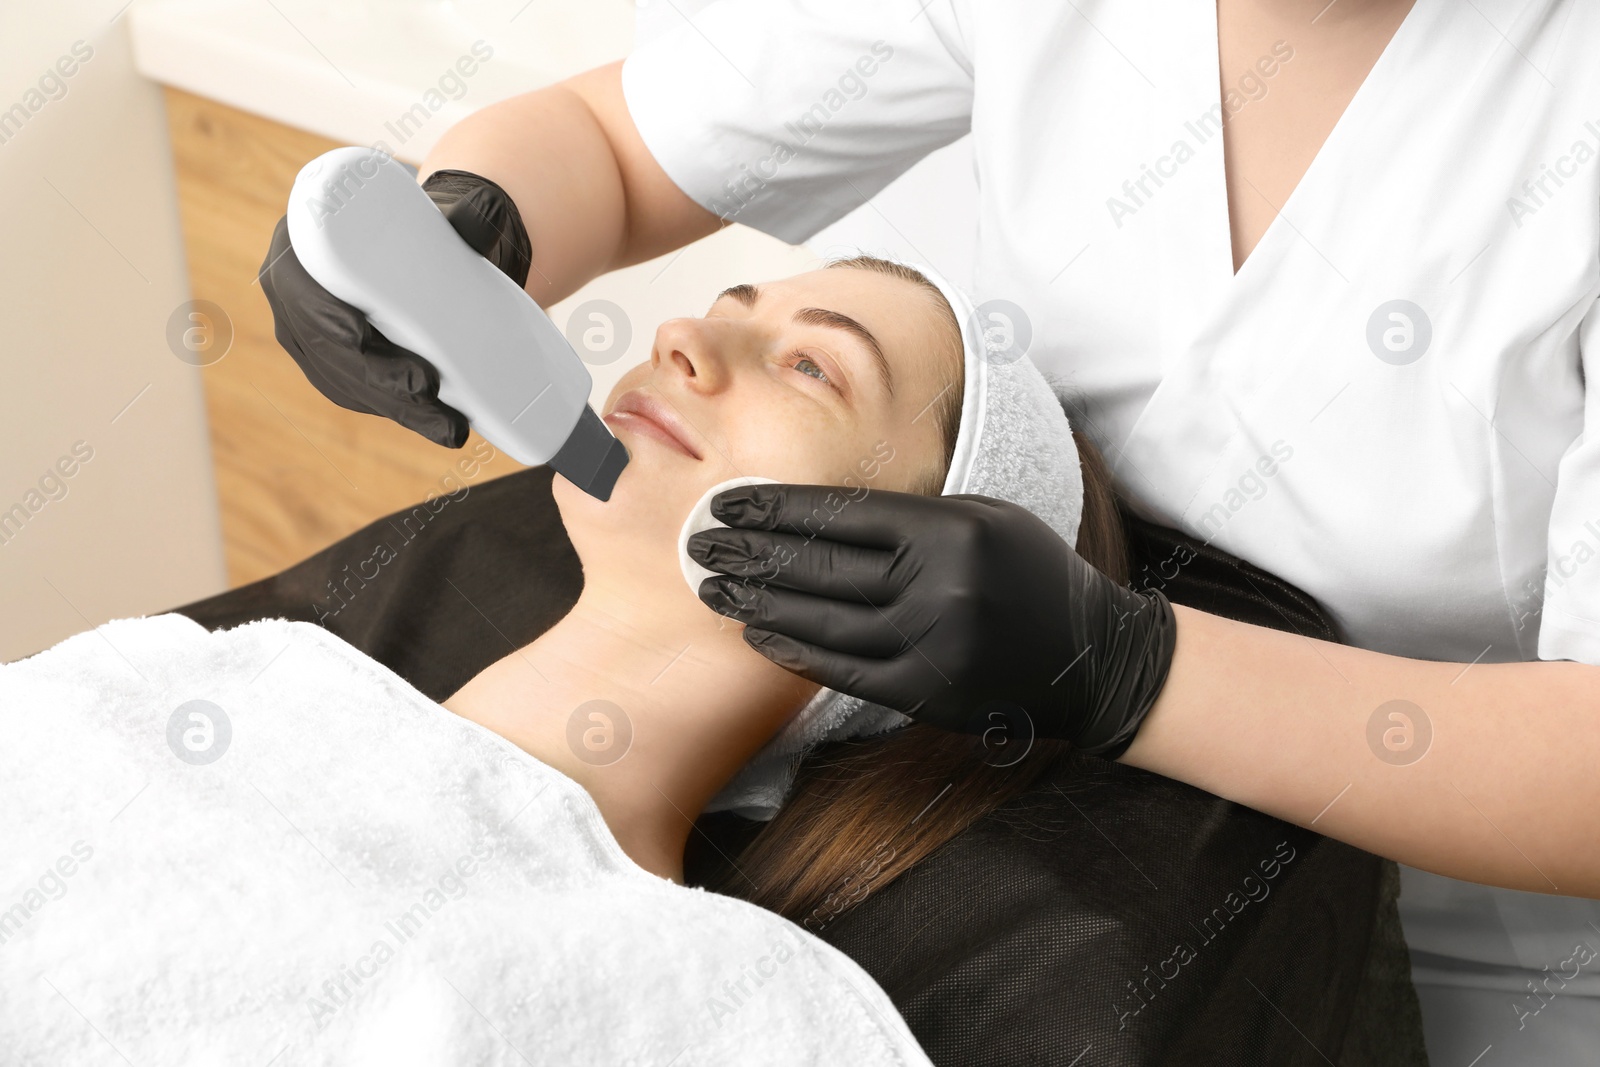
x=368 y=233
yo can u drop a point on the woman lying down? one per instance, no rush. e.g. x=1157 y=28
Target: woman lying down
x=260 y=846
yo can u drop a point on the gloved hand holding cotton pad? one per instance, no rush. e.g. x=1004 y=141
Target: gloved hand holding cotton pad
x=700 y=518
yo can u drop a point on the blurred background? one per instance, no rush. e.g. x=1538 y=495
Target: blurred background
x=157 y=445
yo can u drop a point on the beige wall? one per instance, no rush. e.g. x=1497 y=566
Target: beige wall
x=91 y=268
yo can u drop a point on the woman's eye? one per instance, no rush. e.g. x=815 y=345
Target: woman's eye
x=806 y=365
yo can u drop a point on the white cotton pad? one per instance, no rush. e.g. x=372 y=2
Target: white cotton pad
x=700 y=518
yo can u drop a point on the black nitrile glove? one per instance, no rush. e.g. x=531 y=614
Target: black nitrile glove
x=943 y=608
x=346 y=358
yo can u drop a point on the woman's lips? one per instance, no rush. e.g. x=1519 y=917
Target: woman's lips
x=643 y=413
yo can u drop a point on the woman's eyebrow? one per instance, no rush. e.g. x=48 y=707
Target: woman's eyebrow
x=748 y=294
x=744 y=292
x=835 y=321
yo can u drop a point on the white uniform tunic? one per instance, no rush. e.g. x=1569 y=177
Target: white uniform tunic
x=1386 y=405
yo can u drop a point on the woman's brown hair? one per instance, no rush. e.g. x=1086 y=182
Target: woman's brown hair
x=862 y=812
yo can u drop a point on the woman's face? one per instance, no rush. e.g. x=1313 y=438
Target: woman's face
x=828 y=377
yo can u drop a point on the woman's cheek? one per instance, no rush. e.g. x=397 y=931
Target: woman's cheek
x=795 y=445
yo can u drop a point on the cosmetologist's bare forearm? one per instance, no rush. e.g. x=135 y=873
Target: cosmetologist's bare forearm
x=1485 y=772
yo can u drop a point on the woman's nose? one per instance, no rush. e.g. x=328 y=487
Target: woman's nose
x=695 y=351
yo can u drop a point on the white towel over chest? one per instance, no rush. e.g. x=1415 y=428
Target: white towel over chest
x=261 y=847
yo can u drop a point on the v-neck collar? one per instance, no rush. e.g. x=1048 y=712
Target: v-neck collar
x=1196 y=279
x=1374 y=85
x=1198 y=298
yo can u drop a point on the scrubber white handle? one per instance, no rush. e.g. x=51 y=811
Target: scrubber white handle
x=369 y=234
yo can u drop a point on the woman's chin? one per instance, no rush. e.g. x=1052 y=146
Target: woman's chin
x=646 y=507
x=633 y=488
x=581 y=512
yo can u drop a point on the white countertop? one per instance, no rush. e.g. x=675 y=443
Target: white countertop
x=353 y=70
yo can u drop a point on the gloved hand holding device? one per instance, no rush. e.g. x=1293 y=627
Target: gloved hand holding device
x=345 y=356
x=938 y=607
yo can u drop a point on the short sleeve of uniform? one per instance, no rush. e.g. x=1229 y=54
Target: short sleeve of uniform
x=786 y=115
x=1570 y=625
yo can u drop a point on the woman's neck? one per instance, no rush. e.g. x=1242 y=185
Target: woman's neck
x=652 y=704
